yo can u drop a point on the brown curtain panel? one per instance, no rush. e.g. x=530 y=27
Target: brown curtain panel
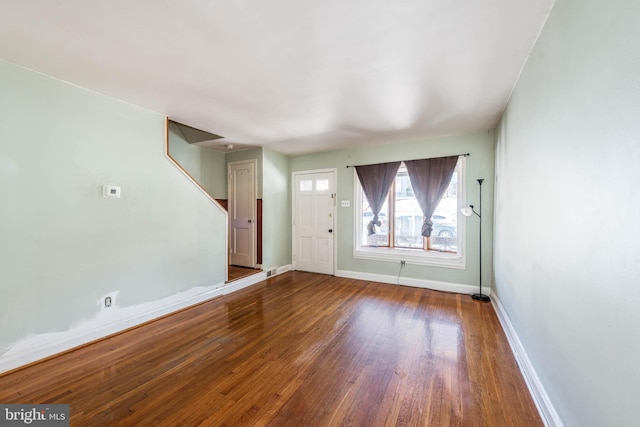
x=376 y=181
x=429 y=180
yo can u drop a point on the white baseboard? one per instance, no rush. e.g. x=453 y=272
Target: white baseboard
x=540 y=397
x=111 y=321
x=244 y=282
x=284 y=269
x=408 y=281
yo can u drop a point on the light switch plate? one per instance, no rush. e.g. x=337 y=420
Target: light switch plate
x=345 y=203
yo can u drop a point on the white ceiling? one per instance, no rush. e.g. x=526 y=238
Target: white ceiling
x=297 y=76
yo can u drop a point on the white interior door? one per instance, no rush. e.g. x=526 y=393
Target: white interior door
x=313 y=221
x=242 y=213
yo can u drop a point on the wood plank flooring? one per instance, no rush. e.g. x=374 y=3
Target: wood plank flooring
x=235 y=272
x=299 y=349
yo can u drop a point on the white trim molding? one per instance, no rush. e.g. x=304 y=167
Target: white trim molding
x=284 y=269
x=545 y=407
x=408 y=281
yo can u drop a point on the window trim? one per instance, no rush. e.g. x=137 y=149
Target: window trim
x=413 y=256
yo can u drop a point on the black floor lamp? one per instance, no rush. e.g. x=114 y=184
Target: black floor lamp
x=468 y=211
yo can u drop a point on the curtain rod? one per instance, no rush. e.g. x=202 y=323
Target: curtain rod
x=439 y=157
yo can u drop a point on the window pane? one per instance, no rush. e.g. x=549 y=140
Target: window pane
x=445 y=227
x=306 y=185
x=408 y=215
x=381 y=236
x=322 y=184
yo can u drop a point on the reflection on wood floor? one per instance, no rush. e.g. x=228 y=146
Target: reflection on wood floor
x=298 y=349
x=236 y=272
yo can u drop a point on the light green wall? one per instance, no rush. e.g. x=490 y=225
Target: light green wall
x=480 y=164
x=63 y=246
x=276 y=208
x=205 y=165
x=567 y=263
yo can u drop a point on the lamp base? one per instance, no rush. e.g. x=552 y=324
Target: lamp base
x=480 y=297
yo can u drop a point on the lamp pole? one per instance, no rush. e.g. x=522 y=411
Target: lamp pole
x=480 y=296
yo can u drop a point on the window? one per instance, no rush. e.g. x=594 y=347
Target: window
x=306 y=185
x=399 y=235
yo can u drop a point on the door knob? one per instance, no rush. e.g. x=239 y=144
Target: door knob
x=331 y=230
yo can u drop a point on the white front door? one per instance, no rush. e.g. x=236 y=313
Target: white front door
x=313 y=221
x=242 y=213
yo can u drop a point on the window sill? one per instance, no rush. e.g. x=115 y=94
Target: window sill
x=411 y=256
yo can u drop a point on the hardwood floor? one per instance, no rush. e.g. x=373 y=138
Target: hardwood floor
x=235 y=272
x=299 y=349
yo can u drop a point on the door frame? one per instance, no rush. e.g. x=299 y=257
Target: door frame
x=334 y=172
x=254 y=207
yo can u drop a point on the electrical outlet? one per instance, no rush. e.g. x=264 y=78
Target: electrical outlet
x=403 y=263
x=108 y=301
